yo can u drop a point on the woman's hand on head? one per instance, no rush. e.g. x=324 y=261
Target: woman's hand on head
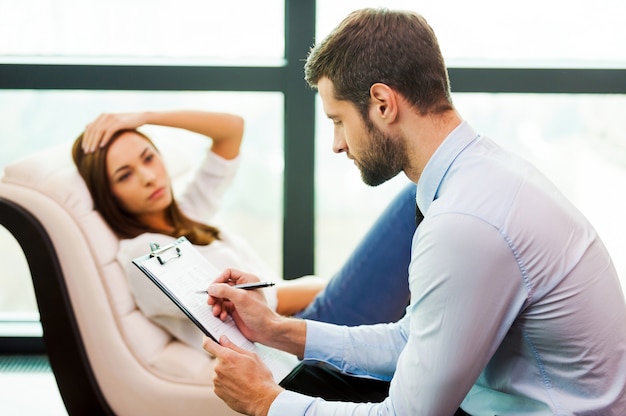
x=99 y=132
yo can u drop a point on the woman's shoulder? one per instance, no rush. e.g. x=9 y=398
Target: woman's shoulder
x=201 y=197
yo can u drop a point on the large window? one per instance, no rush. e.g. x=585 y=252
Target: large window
x=529 y=34
x=64 y=62
x=142 y=32
x=546 y=79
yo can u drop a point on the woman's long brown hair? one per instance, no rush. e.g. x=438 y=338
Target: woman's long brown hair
x=92 y=168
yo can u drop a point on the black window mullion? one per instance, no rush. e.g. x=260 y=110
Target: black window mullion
x=140 y=78
x=538 y=80
x=299 y=187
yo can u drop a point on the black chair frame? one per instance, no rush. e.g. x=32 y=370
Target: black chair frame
x=63 y=343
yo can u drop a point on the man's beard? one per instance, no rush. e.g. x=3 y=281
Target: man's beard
x=385 y=158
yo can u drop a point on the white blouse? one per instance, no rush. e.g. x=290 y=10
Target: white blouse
x=200 y=201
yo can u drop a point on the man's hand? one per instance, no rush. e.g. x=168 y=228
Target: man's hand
x=241 y=379
x=252 y=313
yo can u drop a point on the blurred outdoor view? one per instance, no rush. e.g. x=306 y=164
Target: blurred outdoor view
x=577 y=140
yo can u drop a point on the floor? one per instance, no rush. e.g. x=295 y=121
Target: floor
x=28 y=387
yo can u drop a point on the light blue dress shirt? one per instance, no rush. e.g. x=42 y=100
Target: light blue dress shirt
x=516 y=307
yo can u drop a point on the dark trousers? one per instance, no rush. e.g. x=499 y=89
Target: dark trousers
x=331 y=385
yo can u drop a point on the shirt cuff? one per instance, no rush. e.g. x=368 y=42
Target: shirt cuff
x=324 y=342
x=290 y=403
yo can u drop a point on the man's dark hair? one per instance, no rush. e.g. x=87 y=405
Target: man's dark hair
x=397 y=48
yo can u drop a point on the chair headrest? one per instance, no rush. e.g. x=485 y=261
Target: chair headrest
x=52 y=173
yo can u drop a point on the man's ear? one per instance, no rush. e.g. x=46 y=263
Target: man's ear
x=384 y=102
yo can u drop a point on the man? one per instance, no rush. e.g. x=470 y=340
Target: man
x=516 y=307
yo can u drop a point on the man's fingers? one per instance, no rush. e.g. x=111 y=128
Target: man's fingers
x=222 y=291
x=227 y=343
x=219 y=350
x=212 y=347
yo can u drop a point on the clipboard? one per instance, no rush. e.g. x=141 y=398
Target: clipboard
x=180 y=271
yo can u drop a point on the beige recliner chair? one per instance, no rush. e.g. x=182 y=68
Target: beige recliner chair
x=107 y=358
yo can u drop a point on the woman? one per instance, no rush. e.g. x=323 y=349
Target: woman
x=131 y=189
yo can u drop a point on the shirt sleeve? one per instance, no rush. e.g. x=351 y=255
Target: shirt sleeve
x=296 y=404
x=368 y=350
x=290 y=403
x=466 y=291
x=202 y=196
x=462 y=305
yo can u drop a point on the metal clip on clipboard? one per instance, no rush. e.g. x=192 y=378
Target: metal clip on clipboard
x=158 y=252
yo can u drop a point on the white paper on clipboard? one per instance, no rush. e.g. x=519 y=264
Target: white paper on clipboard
x=180 y=271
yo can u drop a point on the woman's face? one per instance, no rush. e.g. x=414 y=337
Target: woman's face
x=138 y=178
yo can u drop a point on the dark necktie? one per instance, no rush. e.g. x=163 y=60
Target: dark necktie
x=418 y=215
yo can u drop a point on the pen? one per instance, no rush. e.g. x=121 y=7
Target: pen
x=248 y=286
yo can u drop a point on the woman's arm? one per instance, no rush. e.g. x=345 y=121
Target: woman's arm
x=225 y=130
x=295 y=295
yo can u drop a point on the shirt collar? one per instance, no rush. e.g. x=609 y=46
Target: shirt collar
x=436 y=168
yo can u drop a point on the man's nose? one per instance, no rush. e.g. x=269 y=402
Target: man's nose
x=339 y=144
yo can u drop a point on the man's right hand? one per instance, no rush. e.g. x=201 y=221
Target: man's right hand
x=252 y=315
x=248 y=308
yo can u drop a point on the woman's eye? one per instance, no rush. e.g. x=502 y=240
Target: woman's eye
x=123 y=177
x=149 y=158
